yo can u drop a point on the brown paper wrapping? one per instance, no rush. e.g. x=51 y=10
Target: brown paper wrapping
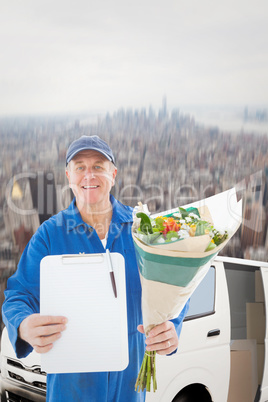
x=162 y=302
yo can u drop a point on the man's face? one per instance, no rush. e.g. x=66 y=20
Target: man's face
x=91 y=177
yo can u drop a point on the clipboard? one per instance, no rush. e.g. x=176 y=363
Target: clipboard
x=79 y=287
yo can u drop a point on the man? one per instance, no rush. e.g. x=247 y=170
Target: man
x=95 y=220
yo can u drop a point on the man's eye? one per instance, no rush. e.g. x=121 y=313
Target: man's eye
x=97 y=167
x=79 y=168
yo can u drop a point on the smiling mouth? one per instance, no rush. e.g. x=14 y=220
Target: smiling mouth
x=89 y=187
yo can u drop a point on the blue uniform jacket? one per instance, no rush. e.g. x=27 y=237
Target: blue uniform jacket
x=66 y=233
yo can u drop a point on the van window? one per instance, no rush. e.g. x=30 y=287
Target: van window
x=203 y=298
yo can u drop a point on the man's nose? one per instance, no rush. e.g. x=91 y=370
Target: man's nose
x=89 y=173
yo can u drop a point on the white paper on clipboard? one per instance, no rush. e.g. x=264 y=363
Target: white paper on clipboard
x=79 y=288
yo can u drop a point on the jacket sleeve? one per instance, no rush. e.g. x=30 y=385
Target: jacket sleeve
x=22 y=293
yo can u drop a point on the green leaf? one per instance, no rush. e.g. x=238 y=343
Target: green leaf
x=156 y=239
x=171 y=234
x=151 y=238
x=211 y=246
x=159 y=225
x=219 y=238
x=200 y=228
x=183 y=212
x=145 y=225
x=159 y=221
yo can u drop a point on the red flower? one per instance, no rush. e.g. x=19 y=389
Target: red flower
x=170 y=225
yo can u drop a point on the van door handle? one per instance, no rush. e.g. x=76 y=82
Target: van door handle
x=214 y=332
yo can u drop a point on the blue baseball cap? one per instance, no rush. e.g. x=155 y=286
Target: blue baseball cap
x=94 y=143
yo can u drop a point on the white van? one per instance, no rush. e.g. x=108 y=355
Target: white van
x=222 y=354
x=215 y=334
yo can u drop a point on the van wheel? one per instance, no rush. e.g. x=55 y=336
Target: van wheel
x=182 y=398
x=193 y=393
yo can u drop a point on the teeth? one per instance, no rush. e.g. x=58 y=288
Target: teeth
x=90 y=186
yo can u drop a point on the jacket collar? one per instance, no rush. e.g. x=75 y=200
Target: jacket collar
x=121 y=214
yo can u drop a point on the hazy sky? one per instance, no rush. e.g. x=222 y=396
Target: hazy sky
x=62 y=55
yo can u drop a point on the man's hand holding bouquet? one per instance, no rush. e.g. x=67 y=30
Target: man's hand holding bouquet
x=174 y=252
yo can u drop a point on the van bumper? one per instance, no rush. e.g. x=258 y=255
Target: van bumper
x=11 y=391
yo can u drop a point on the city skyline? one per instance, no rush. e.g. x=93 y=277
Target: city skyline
x=164 y=159
x=67 y=57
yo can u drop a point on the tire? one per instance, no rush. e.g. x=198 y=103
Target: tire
x=193 y=393
x=183 y=398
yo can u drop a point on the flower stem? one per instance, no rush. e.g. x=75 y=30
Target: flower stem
x=154 y=373
x=147 y=373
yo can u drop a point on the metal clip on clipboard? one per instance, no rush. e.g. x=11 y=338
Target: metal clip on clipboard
x=93 y=258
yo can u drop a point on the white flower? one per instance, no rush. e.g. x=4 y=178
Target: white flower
x=188 y=219
x=185 y=227
x=194 y=216
x=221 y=232
x=182 y=221
x=177 y=214
x=183 y=234
x=160 y=240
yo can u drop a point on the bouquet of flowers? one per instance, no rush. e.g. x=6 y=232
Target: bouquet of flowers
x=174 y=251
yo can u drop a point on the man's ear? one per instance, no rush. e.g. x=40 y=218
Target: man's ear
x=114 y=176
x=67 y=174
